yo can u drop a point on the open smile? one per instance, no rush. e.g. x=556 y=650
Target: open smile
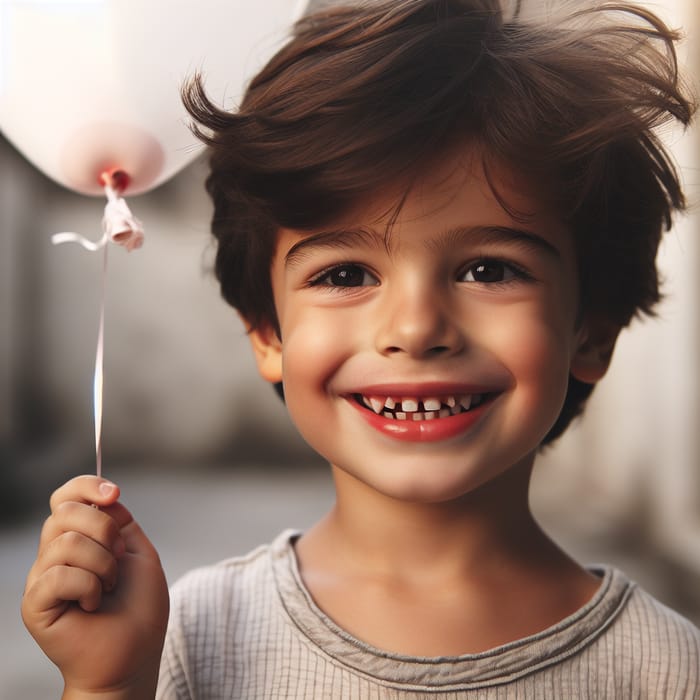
x=412 y=408
x=423 y=419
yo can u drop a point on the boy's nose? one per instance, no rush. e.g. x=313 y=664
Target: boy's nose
x=420 y=325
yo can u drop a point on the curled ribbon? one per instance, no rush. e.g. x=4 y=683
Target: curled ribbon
x=121 y=227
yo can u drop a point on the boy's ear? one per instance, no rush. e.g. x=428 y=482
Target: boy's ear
x=595 y=350
x=267 y=348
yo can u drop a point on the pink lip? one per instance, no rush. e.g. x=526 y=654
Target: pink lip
x=433 y=430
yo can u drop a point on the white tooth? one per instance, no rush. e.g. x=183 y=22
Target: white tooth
x=431 y=404
x=465 y=402
x=418 y=415
x=400 y=415
x=366 y=402
x=445 y=412
x=451 y=401
x=377 y=404
x=390 y=403
x=409 y=405
x=456 y=410
x=388 y=414
x=430 y=415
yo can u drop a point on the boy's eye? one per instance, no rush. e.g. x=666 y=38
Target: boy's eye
x=345 y=276
x=490 y=271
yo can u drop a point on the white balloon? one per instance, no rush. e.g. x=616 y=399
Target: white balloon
x=93 y=85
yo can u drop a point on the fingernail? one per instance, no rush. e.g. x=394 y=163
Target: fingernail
x=106 y=488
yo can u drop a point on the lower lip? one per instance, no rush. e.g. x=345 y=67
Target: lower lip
x=433 y=430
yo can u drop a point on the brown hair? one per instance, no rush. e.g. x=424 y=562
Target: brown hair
x=375 y=92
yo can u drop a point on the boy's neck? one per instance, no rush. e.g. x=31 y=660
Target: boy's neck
x=439 y=579
x=493 y=522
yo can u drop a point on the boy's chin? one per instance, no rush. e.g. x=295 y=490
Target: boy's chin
x=427 y=486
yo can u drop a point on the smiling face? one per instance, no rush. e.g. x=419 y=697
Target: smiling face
x=428 y=361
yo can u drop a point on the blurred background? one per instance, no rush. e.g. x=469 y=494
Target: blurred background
x=203 y=448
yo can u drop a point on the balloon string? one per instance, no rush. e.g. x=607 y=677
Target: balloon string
x=98 y=382
x=119 y=226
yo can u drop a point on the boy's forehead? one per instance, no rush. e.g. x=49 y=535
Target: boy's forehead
x=486 y=192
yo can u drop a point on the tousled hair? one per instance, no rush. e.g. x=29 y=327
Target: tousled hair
x=376 y=92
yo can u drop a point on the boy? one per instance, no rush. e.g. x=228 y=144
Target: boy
x=434 y=220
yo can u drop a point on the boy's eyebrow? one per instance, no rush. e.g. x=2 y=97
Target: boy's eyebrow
x=503 y=234
x=336 y=238
x=349 y=237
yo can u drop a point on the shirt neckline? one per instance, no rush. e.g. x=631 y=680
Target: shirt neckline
x=469 y=671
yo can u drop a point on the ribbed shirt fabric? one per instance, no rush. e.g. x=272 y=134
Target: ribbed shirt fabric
x=247 y=628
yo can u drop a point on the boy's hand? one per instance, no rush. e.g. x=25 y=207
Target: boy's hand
x=96 y=599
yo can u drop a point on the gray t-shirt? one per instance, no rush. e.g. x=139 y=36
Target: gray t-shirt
x=247 y=628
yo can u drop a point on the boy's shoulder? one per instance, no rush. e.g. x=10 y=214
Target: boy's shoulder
x=656 y=629
x=229 y=580
x=655 y=646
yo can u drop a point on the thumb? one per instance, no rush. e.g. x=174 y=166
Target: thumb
x=85 y=489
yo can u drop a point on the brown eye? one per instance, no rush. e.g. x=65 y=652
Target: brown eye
x=488 y=272
x=346 y=276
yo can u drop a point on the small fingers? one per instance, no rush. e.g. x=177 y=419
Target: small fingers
x=79 y=518
x=78 y=551
x=52 y=592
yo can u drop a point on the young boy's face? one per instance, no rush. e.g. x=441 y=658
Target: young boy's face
x=429 y=362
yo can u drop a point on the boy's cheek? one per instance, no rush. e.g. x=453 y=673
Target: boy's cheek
x=309 y=352
x=539 y=362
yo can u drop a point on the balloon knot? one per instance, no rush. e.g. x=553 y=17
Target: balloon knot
x=119 y=225
x=115 y=178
